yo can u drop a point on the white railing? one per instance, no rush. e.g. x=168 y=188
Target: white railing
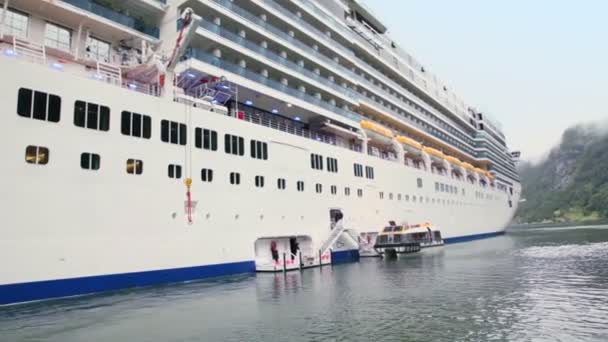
x=30 y=50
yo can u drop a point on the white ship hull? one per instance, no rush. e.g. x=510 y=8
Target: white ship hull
x=69 y=231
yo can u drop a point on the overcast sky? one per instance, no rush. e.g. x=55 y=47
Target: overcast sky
x=537 y=66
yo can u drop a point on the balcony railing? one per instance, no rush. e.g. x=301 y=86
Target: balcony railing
x=208 y=58
x=116 y=17
x=276 y=58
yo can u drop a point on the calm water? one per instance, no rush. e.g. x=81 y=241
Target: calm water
x=535 y=285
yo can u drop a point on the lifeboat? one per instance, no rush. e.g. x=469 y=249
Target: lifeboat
x=453 y=160
x=377 y=133
x=435 y=154
x=468 y=166
x=489 y=175
x=410 y=145
x=480 y=171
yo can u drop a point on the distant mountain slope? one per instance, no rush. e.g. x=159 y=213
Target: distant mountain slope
x=572 y=183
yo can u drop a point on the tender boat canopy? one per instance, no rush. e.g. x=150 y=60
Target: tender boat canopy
x=374 y=127
x=409 y=142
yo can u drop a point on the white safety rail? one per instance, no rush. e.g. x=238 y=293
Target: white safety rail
x=29 y=50
x=109 y=72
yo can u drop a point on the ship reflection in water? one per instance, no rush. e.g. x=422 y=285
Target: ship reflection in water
x=542 y=284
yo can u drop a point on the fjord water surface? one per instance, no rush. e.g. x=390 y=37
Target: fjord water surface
x=530 y=285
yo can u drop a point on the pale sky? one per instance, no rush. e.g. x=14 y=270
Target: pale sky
x=537 y=66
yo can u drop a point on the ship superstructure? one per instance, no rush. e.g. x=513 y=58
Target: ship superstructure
x=152 y=141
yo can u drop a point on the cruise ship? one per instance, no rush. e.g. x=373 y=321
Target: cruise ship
x=158 y=141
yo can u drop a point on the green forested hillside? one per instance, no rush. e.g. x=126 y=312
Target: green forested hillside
x=572 y=183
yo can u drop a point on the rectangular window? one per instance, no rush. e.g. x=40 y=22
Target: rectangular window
x=419 y=182
x=259 y=150
x=174 y=171
x=207 y=175
x=390 y=196
x=90 y=161
x=58 y=37
x=97 y=50
x=37 y=155
x=369 y=172
x=316 y=161
x=346 y=191
x=300 y=186
x=442 y=187
x=136 y=125
x=173 y=132
x=359 y=192
x=205 y=139
x=319 y=188
x=358 y=168
x=381 y=195
x=332 y=165
x=91 y=115
x=398 y=197
x=281 y=183
x=135 y=166
x=38 y=105
x=437 y=186
x=234 y=145
x=16 y=23
x=235 y=178
x=334 y=189
x=259 y=181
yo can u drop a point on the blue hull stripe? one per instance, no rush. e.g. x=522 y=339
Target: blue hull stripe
x=38 y=290
x=472 y=237
x=24 y=292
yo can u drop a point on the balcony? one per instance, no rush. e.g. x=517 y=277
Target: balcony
x=350 y=94
x=116 y=17
x=210 y=59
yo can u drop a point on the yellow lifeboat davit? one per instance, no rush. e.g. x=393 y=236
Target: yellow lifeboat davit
x=409 y=142
x=374 y=127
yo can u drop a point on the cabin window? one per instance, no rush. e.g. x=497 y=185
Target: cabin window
x=235 y=178
x=205 y=139
x=207 y=175
x=90 y=161
x=332 y=165
x=259 y=181
x=346 y=191
x=174 y=171
x=510 y=204
x=390 y=196
x=407 y=198
x=358 y=168
x=281 y=183
x=300 y=186
x=359 y=192
x=333 y=189
x=37 y=155
x=173 y=132
x=16 y=23
x=136 y=125
x=369 y=172
x=234 y=145
x=442 y=187
x=413 y=198
x=436 y=186
x=381 y=194
x=316 y=161
x=419 y=182
x=38 y=105
x=135 y=166
x=97 y=50
x=319 y=188
x=259 y=150
x=398 y=197
x=58 y=37
x=91 y=115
